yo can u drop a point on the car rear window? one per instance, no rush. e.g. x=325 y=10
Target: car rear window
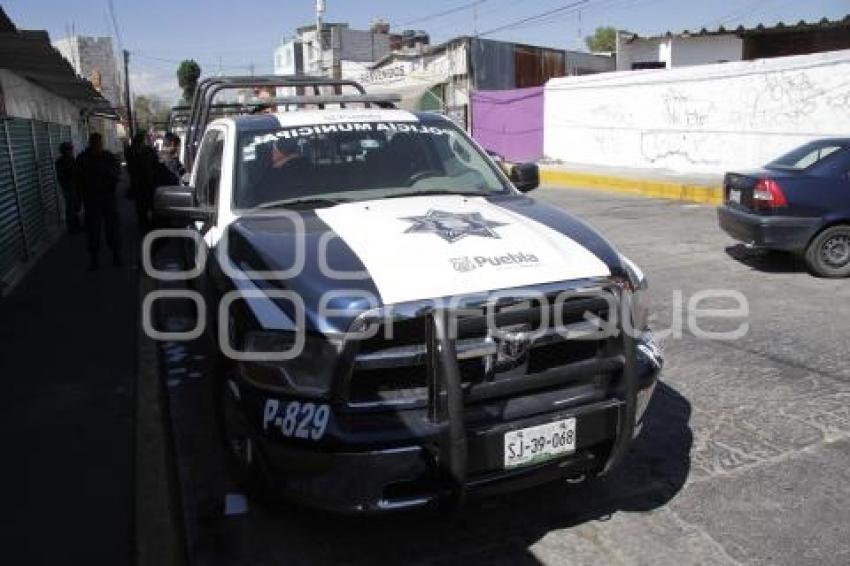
x=806 y=156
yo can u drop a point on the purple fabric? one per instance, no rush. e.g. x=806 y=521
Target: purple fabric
x=509 y=122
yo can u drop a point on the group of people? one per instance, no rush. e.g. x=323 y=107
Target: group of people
x=89 y=184
x=148 y=171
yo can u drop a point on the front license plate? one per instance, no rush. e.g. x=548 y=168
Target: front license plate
x=539 y=443
x=735 y=196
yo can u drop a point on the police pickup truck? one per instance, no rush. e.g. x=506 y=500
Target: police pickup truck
x=400 y=325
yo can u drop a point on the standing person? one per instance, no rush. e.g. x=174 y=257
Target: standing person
x=170 y=157
x=65 y=175
x=142 y=165
x=97 y=174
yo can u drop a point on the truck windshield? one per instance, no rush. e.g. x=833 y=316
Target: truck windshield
x=327 y=163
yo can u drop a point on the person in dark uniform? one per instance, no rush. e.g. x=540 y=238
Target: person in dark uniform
x=97 y=175
x=287 y=174
x=170 y=158
x=65 y=175
x=142 y=167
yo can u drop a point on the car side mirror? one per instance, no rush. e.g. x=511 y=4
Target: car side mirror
x=525 y=177
x=178 y=202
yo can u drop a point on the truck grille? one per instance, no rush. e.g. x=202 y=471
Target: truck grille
x=389 y=368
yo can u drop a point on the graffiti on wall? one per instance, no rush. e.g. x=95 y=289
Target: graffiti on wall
x=693 y=148
x=683 y=110
x=785 y=97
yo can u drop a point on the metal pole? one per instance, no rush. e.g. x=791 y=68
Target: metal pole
x=130 y=126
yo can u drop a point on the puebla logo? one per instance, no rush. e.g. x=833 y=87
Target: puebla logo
x=451 y=226
x=467 y=263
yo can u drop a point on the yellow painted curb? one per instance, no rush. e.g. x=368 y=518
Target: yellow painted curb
x=706 y=194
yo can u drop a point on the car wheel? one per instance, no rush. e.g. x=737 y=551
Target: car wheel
x=828 y=254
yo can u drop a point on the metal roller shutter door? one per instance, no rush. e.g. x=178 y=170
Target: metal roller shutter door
x=29 y=190
x=46 y=174
x=12 y=248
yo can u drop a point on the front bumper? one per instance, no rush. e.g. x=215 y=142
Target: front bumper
x=379 y=462
x=785 y=233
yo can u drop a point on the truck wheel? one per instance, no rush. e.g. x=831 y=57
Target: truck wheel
x=828 y=254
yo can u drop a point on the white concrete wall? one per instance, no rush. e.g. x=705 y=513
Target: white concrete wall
x=700 y=50
x=707 y=118
x=678 y=51
x=640 y=50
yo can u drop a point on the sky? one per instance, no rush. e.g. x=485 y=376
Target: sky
x=232 y=36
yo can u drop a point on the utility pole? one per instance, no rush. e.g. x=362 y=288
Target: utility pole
x=130 y=126
x=320 y=12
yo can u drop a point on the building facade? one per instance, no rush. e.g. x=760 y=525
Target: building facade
x=324 y=56
x=704 y=47
x=443 y=77
x=42 y=103
x=94 y=60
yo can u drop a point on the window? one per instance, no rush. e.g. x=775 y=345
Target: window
x=359 y=161
x=806 y=156
x=208 y=172
x=641 y=65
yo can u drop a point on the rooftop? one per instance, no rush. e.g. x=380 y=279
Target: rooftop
x=760 y=29
x=28 y=53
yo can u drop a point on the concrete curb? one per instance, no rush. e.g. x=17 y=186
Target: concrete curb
x=157 y=526
x=706 y=194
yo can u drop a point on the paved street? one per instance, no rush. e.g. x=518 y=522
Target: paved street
x=743 y=460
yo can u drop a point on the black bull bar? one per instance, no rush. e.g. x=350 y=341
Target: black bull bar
x=446 y=403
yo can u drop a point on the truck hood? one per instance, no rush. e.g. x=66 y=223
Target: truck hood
x=368 y=254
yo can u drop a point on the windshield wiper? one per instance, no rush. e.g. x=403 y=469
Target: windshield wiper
x=315 y=202
x=431 y=192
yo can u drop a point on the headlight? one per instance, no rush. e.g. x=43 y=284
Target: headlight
x=309 y=373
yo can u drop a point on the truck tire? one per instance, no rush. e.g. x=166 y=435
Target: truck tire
x=828 y=254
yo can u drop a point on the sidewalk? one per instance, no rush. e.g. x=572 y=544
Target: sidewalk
x=67 y=364
x=656 y=183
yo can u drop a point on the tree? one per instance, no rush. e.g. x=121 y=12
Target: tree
x=148 y=110
x=188 y=74
x=604 y=39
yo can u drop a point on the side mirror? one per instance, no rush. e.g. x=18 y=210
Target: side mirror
x=178 y=202
x=525 y=177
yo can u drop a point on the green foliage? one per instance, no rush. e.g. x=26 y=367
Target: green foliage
x=188 y=74
x=148 y=111
x=604 y=39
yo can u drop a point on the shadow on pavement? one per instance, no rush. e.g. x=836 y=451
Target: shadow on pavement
x=767 y=261
x=498 y=530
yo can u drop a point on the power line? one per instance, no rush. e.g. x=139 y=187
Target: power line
x=115 y=25
x=535 y=18
x=205 y=64
x=444 y=13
